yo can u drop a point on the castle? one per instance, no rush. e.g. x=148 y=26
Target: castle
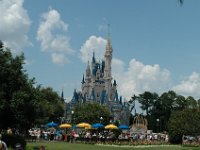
x=97 y=86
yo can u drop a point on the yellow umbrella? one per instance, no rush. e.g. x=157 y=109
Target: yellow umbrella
x=88 y=127
x=83 y=125
x=111 y=126
x=65 y=125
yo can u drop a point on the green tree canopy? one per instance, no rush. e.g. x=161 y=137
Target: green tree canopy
x=50 y=105
x=22 y=105
x=91 y=113
x=186 y=122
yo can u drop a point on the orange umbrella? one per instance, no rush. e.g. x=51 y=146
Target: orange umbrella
x=65 y=125
x=111 y=126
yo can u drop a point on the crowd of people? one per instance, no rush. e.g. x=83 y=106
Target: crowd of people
x=191 y=139
x=95 y=135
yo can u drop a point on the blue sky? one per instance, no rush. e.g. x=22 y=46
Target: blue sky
x=156 y=44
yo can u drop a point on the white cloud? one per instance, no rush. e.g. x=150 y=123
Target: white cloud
x=135 y=79
x=14 y=24
x=51 y=34
x=117 y=66
x=59 y=59
x=138 y=78
x=96 y=44
x=190 y=86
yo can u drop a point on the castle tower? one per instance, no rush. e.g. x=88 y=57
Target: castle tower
x=107 y=69
x=97 y=87
x=87 y=84
x=88 y=73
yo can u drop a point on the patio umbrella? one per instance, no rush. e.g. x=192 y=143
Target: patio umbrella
x=97 y=125
x=83 y=125
x=123 y=127
x=88 y=127
x=65 y=125
x=52 y=124
x=111 y=126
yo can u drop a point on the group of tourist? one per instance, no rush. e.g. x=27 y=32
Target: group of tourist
x=191 y=139
x=82 y=135
x=48 y=134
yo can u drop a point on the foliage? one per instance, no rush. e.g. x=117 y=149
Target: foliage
x=181 y=123
x=14 y=88
x=50 y=106
x=160 y=108
x=91 y=113
x=22 y=105
x=146 y=100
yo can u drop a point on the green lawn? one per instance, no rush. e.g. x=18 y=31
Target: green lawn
x=74 y=146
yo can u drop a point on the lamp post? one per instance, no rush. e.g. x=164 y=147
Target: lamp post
x=101 y=118
x=158 y=124
x=72 y=113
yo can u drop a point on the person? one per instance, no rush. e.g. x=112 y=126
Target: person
x=9 y=130
x=3 y=145
x=42 y=147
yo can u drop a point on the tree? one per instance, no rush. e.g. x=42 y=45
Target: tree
x=181 y=123
x=167 y=101
x=191 y=103
x=198 y=104
x=13 y=79
x=180 y=103
x=147 y=100
x=21 y=104
x=91 y=113
x=131 y=103
x=50 y=105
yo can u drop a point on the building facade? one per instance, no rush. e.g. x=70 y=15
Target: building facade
x=98 y=86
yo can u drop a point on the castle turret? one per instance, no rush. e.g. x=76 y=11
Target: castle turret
x=83 y=80
x=107 y=69
x=93 y=64
x=88 y=72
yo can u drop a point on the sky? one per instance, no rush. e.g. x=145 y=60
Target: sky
x=156 y=43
